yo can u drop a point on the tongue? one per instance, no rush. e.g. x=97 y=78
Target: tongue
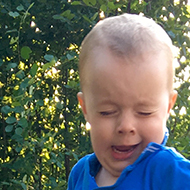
x=122 y=152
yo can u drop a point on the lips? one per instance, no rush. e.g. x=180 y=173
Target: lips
x=123 y=152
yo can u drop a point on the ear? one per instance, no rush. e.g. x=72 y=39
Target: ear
x=80 y=97
x=173 y=98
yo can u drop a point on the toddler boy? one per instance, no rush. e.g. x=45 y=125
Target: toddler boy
x=126 y=74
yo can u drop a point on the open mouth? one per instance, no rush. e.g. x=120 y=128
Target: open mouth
x=123 y=152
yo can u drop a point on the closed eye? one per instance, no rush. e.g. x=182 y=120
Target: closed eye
x=107 y=113
x=144 y=113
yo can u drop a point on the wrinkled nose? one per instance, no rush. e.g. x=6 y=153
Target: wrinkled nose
x=126 y=125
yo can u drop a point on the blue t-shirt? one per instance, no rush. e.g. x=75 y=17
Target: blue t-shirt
x=157 y=168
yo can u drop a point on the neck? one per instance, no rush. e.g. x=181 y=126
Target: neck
x=105 y=178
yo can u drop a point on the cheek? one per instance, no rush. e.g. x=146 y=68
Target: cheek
x=153 y=130
x=101 y=132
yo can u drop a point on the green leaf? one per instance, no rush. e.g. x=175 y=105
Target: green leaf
x=17 y=138
x=31 y=89
x=20 y=74
x=20 y=8
x=11 y=66
x=13 y=14
x=47 y=65
x=103 y=8
x=111 y=5
x=68 y=14
x=13 y=40
x=18 y=109
x=1 y=62
x=58 y=17
x=24 y=179
x=18 y=148
x=23 y=186
x=59 y=105
x=76 y=3
x=6 y=109
x=18 y=131
x=52 y=60
x=9 y=128
x=25 y=52
x=40 y=102
x=75 y=156
x=69 y=57
x=24 y=84
x=49 y=57
x=23 y=122
x=33 y=69
x=31 y=81
x=11 y=120
x=94 y=16
x=59 y=164
x=86 y=2
x=5 y=183
x=93 y=2
x=10 y=31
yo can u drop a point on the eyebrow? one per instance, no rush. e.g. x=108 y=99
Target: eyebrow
x=145 y=103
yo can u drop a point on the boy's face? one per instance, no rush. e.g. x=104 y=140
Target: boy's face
x=127 y=104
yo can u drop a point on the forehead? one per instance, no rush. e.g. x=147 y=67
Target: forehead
x=105 y=71
x=103 y=60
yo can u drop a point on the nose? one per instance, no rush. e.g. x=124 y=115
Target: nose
x=126 y=125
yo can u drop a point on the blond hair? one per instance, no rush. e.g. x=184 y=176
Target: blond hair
x=128 y=36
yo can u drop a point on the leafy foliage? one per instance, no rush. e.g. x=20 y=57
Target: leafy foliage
x=42 y=129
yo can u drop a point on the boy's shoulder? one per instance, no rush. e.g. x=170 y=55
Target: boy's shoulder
x=169 y=154
x=80 y=171
x=168 y=157
x=171 y=165
x=80 y=165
